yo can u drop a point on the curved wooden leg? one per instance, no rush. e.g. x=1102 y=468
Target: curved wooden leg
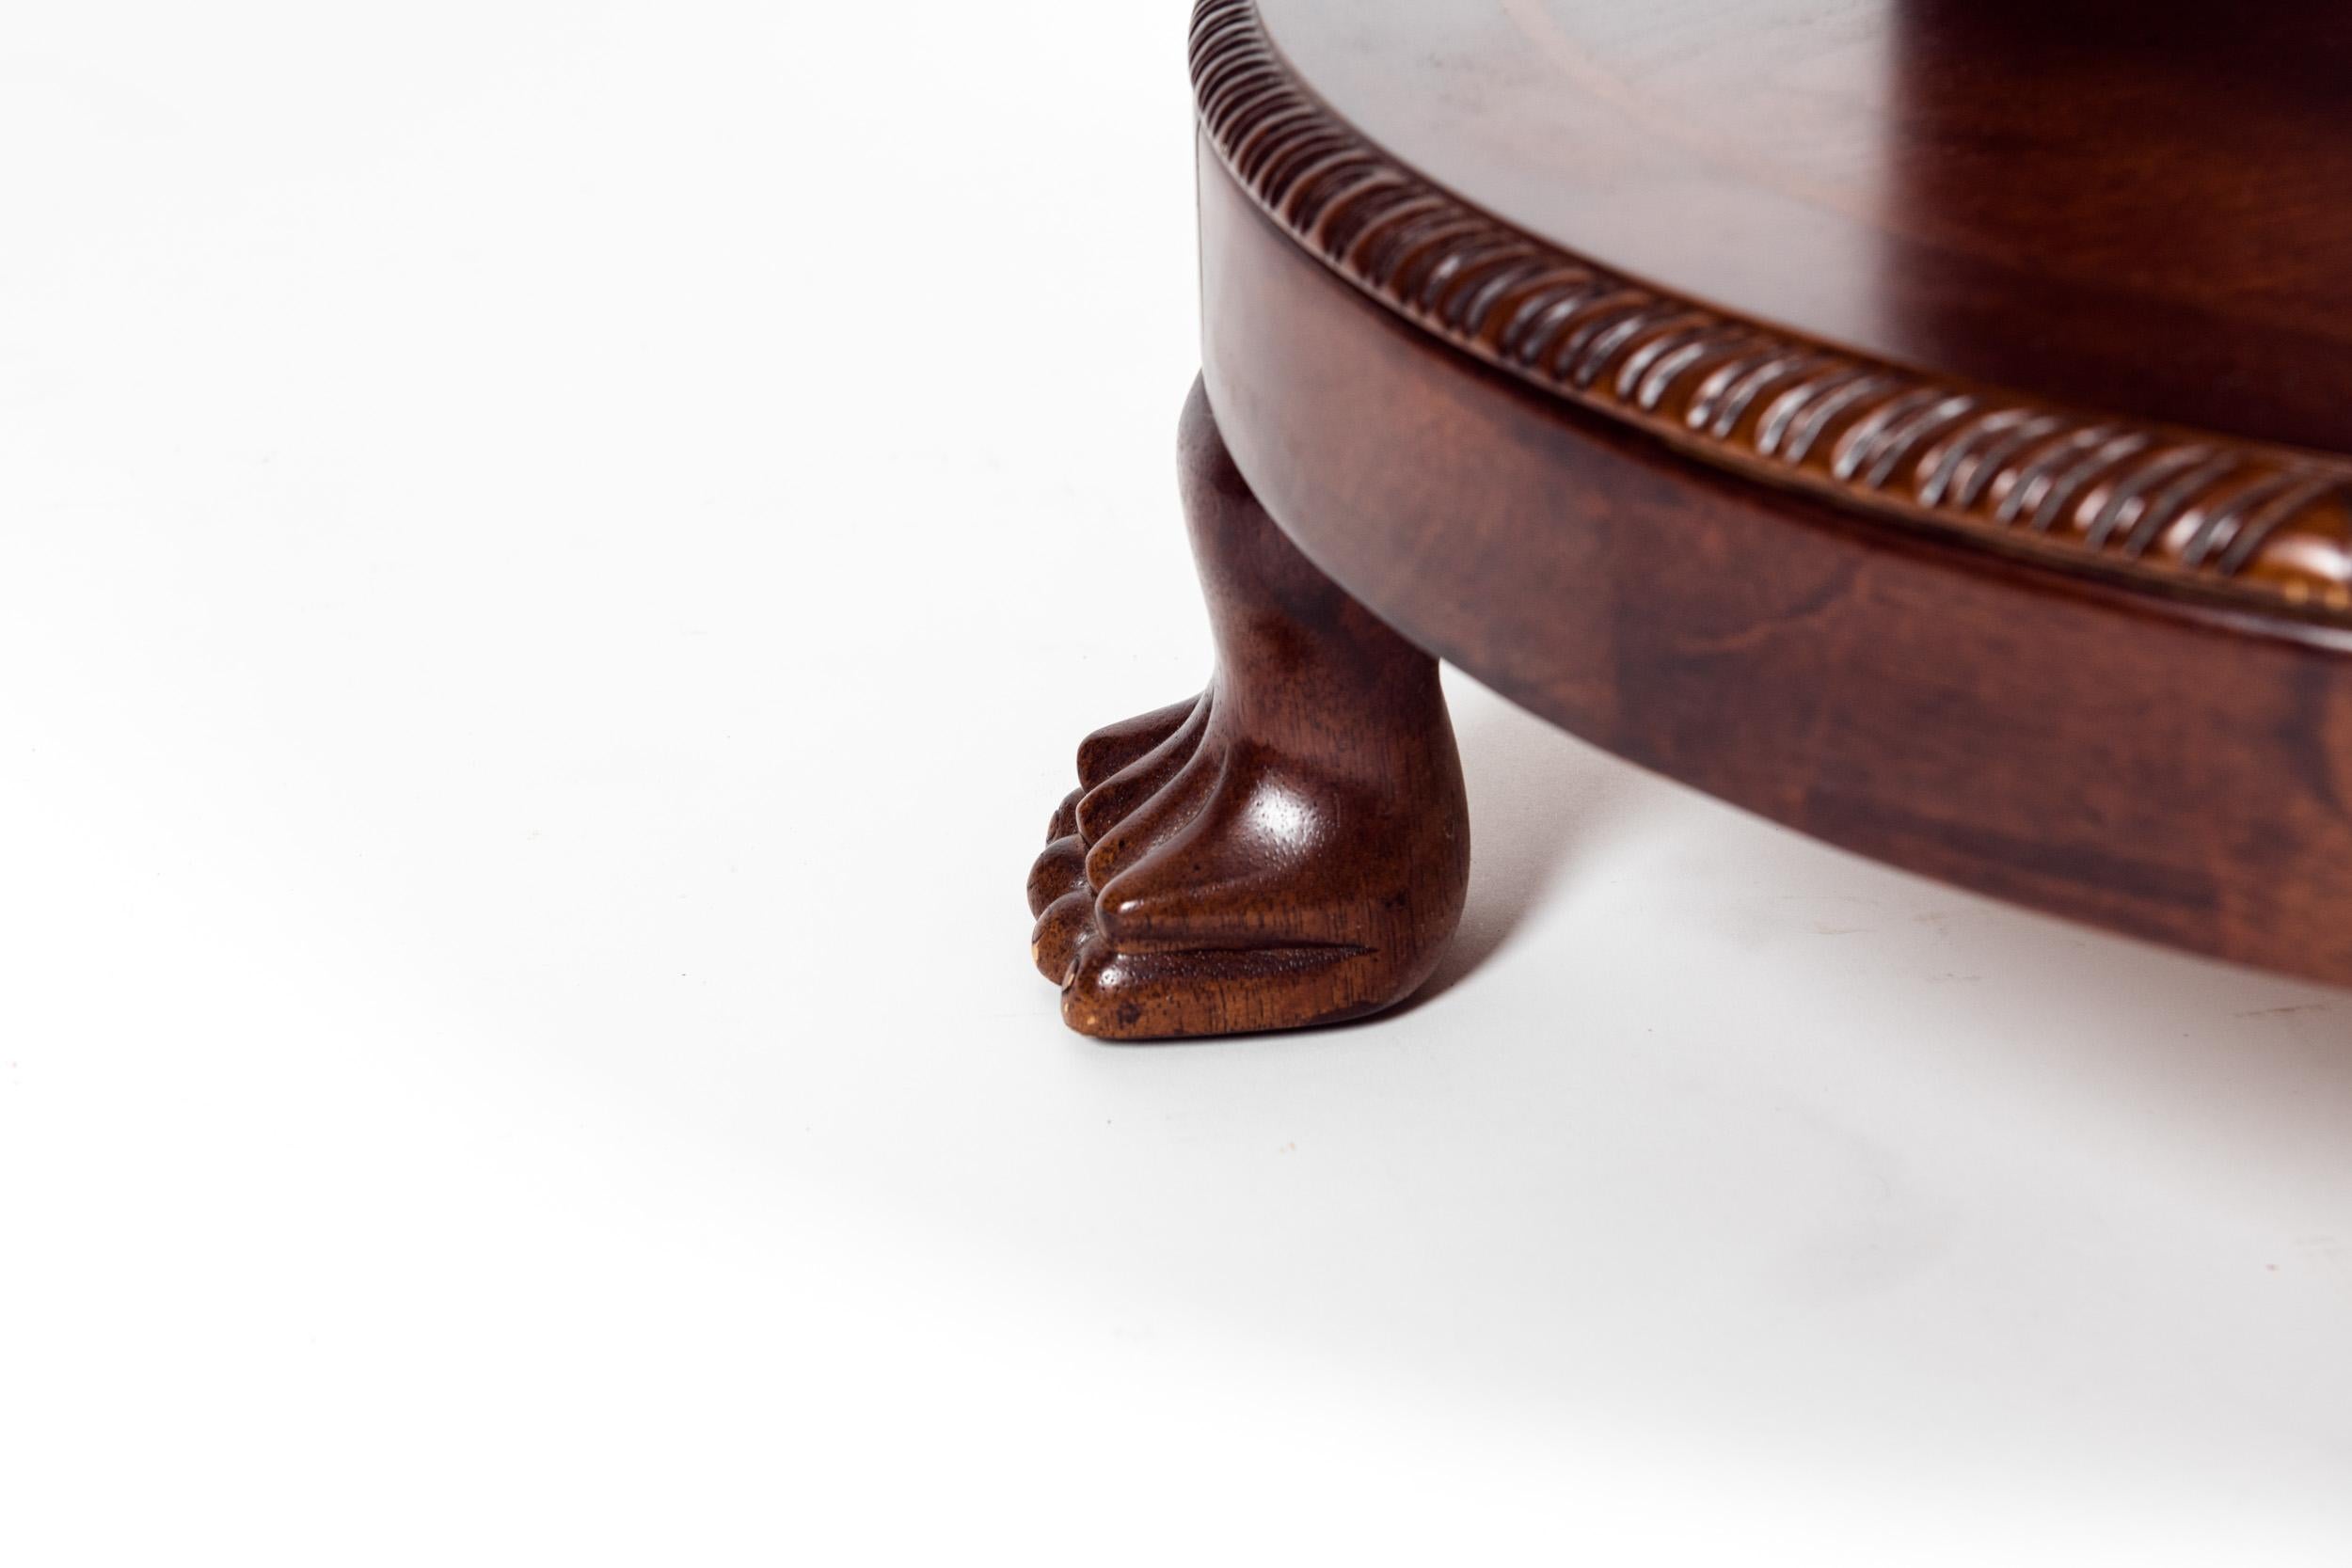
x=1291 y=846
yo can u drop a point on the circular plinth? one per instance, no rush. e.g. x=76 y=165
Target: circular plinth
x=1919 y=424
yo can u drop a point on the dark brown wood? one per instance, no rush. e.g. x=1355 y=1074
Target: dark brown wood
x=1288 y=848
x=2158 y=766
x=2137 y=206
x=2012 y=468
x=1897 y=418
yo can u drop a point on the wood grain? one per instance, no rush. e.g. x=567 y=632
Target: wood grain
x=2105 y=492
x=1288 y=848
x=2091 y=662
x=2165 y=766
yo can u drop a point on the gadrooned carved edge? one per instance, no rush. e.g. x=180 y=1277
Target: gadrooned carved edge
x=2121 y=495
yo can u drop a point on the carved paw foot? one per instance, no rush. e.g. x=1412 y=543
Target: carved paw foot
x=1290 y=847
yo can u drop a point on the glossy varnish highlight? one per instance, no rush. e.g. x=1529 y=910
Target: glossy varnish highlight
x=1976 y=588
x=2018 y=471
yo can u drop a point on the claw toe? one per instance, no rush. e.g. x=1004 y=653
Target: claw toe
x=1105 y=805
x=1060 y=870
x=1053 y=945
x=1113 y=746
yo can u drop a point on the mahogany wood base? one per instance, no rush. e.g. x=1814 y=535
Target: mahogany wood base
x=1988 y=519
x=1290 y=847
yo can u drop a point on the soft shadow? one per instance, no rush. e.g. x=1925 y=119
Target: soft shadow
x=1537 y=797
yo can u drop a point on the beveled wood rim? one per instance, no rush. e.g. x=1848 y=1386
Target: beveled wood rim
x=2260 y=525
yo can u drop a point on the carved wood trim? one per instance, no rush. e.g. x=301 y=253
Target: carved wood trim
x=2248 y=520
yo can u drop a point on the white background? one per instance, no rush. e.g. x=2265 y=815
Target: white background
x=552 y=559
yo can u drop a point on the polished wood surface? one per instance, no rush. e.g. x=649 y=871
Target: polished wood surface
x=1890 y=418
x=2136 y=205
x=1288 y=848
x=2159 y=767
x=2009 y=467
